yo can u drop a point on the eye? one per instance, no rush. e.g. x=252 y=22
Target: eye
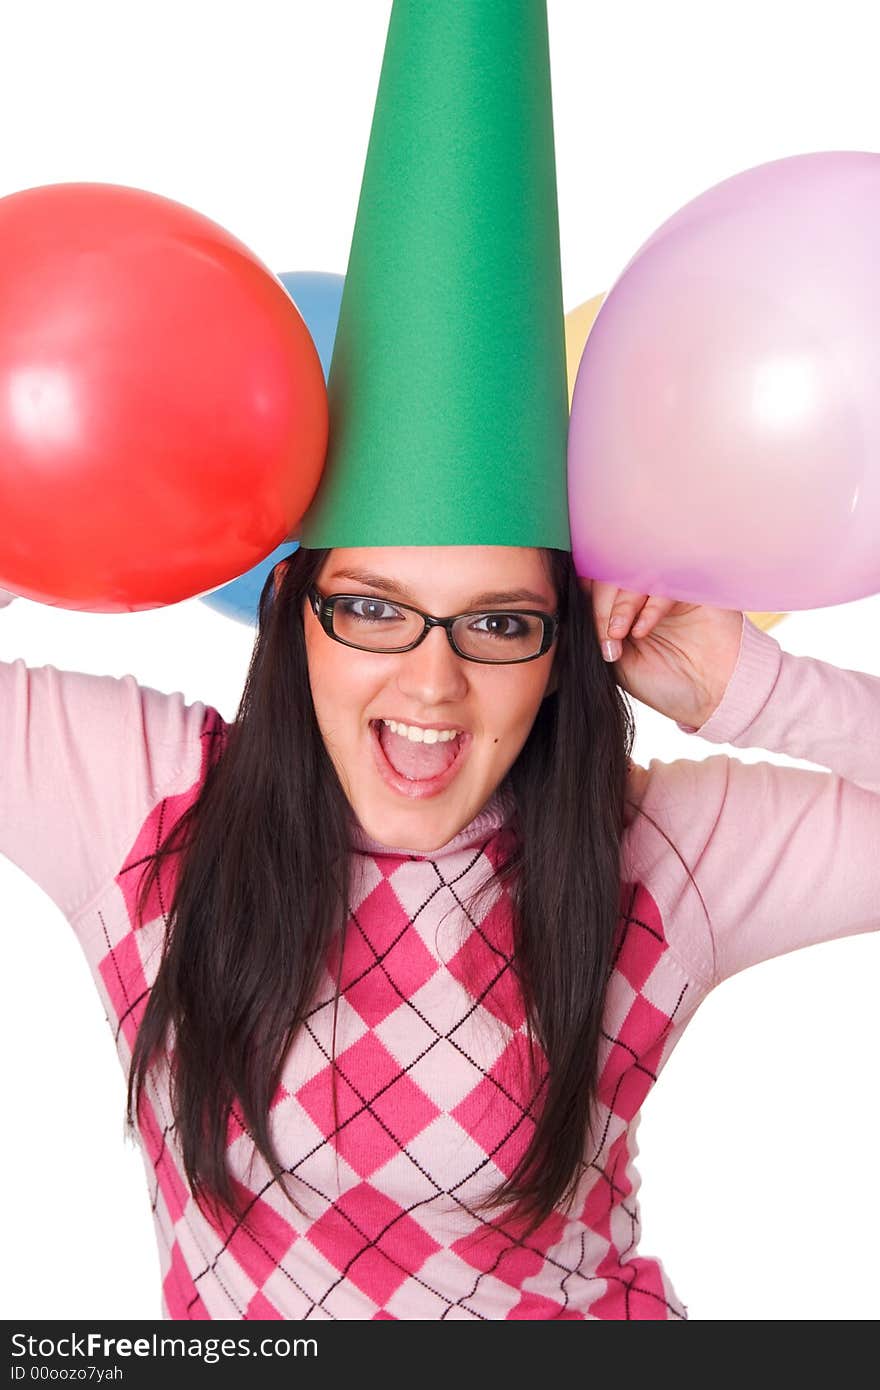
x=505 y=625
x=368 y=610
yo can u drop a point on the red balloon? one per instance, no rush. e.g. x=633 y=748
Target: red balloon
x=163 y=413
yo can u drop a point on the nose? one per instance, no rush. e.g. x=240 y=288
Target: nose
x=432 y=673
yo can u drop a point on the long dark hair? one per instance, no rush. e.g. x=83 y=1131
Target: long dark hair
x=262 y=883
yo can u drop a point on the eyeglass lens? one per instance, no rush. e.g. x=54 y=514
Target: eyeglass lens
x=492 y=636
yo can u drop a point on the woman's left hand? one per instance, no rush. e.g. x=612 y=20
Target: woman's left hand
x=676 y=657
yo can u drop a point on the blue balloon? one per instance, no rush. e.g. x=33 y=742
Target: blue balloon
x=317 y=294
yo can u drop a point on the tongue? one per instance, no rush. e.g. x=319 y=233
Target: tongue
x=417 y=761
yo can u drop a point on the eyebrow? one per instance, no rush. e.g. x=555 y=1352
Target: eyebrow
x=393 y=586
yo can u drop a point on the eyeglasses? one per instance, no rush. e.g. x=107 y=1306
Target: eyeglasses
x=373 y=624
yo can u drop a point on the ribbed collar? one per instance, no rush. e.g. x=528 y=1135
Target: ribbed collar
x=497 y=810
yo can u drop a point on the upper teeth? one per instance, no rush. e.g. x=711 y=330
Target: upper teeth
x=417 y=735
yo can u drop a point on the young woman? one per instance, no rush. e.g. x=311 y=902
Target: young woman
x=392 y=960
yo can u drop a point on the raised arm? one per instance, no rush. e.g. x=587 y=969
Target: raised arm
x=783 y=857
x=82 y=761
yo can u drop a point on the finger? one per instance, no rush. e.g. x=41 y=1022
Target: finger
x=654 y=609
x=603 y=596
x=617 y=610
x=610 y=602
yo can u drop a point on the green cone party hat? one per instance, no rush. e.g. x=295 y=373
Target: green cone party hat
x=447 y=387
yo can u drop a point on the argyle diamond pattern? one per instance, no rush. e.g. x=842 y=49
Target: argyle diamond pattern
x=429 y=1106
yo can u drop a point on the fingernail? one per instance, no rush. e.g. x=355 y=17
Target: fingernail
x=612 y=650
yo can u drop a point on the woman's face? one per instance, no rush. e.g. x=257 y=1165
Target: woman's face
x=491 y=706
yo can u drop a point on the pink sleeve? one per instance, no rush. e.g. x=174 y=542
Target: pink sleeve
x=83 y=759
x=783 y=857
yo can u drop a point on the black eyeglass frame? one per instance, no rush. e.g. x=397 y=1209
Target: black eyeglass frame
x=322 y=607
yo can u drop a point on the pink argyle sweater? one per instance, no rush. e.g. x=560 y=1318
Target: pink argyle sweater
x=430 y=1041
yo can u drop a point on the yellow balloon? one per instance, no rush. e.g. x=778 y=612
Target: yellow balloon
x=766 y=620
x=578 y=323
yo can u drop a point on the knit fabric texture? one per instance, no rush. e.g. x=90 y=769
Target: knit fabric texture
x=435 y=1092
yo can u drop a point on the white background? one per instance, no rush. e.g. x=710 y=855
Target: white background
x=759 y=1145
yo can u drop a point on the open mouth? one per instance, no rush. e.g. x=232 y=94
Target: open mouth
x=416 y=770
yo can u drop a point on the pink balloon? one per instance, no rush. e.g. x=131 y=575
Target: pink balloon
x=724 y=445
